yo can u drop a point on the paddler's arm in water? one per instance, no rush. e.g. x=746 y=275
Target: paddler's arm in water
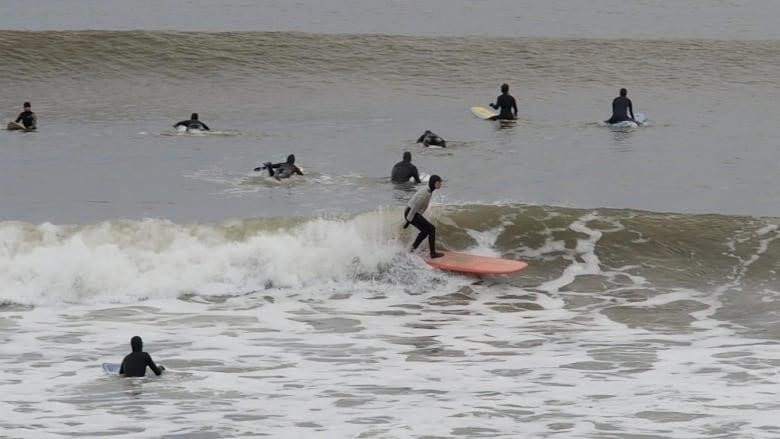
x=149 y=362
x=297 y=170
x=415 y=174
x=205 y=127
x=179 y=124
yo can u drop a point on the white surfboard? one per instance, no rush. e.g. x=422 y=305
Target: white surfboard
x=639 y=120
x=483 y=112
x=111 y=368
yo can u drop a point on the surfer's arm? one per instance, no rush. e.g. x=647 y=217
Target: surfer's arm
x=415 y=174
x=631 y=109
x=179 y=124
x=149 y=362
x=514 y=106
x=205 y=127
x=18 y=118
x=297 y=170
x=420 y=139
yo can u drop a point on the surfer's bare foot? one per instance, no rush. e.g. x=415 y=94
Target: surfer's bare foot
x=436 y=255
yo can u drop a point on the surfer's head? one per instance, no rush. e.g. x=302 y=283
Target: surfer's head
x=137 y=344
x=194 y=116
x=291 y=159
x=407 y=156
x=623 y=92
x=26 y=106
x=434 y=182
x=505 y=88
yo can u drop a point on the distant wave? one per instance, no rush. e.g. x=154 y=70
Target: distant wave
x=173 y=56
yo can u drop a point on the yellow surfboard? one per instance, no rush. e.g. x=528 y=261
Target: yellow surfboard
x=483 y=112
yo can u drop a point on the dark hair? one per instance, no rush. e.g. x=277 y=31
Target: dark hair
x=432 y=182
x=194 y=116
x=407 y=156
x=26 y=104
x=291 y=159
x=623 y=92
x=504 y=88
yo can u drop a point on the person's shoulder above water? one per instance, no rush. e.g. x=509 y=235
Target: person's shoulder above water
x=193 y=123
x=429 y=138
x=27 y=117
x=135 y=363
x=404 y=170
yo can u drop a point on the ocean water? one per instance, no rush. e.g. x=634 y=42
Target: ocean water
x=650 y=307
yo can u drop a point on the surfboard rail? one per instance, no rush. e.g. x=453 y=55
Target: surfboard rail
x=473 y=264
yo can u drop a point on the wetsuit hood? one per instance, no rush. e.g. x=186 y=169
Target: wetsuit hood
x=137 y=344
x=194 y=116
x=432 y=182
x=407 y=156
x=291 y=159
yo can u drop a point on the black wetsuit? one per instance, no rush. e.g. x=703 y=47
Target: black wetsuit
x=283 y=170
x=134 y=364
x=27 y=118
x=507 y=104
x=621 y=106
x=403 y=171
x=429 y=138
x=193 y=124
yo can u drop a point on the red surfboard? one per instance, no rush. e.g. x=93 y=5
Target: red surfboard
x=472 y=264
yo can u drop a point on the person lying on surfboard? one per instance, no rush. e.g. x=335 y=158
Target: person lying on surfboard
x=429 y=138
x=622 y=109
x=507 y=105
x=192 y=124
x=27 y=118
x=134 y=363
x=404 y=170
x=283 y=170
x=413 y=215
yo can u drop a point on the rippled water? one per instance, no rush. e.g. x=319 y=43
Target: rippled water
x=293 y=309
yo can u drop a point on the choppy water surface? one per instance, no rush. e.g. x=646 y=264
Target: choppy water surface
x=293 y=309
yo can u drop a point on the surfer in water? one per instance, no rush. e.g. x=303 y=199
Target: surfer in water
x=429 y=138
x=413 y=215
x=622 y=109
x=506 y=105
x=27 y=118
x=404 y=170
x=134 y=364
x=282 y=170
x=192 y=124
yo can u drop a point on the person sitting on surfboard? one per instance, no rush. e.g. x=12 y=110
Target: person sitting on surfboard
x=404 y=170
x=134 y=364
x=622 y=109
x=27 y=118
x=507 y=105
x=413 y=215
x=283 y=170
x=429 y=138
x=192 y=124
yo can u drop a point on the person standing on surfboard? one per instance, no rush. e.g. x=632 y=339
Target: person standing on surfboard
x=413 y=215
x=622 y=109
x=192 y=124
x=507 y=105
x=404 y=170
x=134 y=363
x=27 y=118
